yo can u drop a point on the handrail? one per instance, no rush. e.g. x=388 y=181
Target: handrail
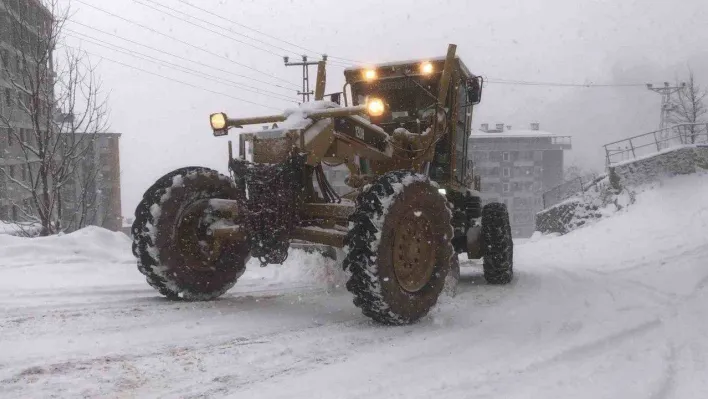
x=684 y=132
x=657 y=131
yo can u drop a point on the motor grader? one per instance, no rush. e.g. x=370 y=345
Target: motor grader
x=414 y=203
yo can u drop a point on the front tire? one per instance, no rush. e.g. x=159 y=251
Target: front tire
x=398 y=248
x=498 y=244
x=170 y=240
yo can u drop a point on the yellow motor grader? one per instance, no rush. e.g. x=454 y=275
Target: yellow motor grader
x=414 y=203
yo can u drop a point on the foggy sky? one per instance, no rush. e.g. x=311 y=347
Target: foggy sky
x=165 y=124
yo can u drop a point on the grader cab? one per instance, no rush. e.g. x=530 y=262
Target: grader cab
x=413 y=206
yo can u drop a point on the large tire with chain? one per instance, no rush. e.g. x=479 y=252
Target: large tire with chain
x=498 y=245
x=398 y=249
x=170 y=240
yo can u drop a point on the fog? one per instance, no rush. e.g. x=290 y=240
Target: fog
x=164 y=123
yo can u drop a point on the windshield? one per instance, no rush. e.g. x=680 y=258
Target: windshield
x=407 y=99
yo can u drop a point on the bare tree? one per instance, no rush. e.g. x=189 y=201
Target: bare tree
x=56 y=109
x=690 y=109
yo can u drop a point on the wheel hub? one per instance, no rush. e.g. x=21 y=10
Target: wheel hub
x=413 y=252
x=193 y=239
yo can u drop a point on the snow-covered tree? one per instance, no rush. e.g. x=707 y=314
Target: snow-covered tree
x=690 y=108
x=55 y=110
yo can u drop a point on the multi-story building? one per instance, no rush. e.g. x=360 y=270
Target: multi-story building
x=95 y=181
x=516 y=166
x=91 y=196
x=22 y=23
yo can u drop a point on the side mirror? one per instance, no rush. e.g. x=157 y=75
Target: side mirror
x=474 y=90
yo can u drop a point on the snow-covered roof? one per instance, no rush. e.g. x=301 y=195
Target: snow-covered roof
x=513 y=133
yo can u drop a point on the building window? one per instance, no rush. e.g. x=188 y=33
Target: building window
x=505 y=156
x=505 y=187
x=507 y=171
x=9 y=137
x=23 y=172
x=12 y=171
x=8 y=97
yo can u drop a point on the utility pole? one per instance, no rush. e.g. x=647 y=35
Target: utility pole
x=305 y=74
x=666 y=107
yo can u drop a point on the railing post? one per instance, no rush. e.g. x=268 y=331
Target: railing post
x=656 y=140
x=607 y=156
x=632 y=147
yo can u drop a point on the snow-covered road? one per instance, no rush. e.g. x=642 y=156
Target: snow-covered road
x=614 y=310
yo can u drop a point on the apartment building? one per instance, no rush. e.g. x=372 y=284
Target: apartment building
x=516 y=166
x=21 y=22
x=92 y=195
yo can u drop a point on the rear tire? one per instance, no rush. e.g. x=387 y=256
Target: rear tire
x=498 y=244
x=170 y=242
x=398 y=248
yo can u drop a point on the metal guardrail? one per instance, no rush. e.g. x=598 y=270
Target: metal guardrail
x=562 y=192
x=656 y=141
x=570 y=188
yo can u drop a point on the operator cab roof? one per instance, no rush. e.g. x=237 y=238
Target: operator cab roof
x=395 y=68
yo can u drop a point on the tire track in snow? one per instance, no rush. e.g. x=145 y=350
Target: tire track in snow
x=596 y=346
x=668 y=384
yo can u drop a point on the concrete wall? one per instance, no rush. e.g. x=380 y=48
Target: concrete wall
x=566 y=216
x=619 y=189
x=676 y=161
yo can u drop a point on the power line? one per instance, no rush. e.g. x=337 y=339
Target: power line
x=263 y=33
x=220 y=27
x=230 y=37
x=175 y=80
x=158 y=61
x=183 y=42
x=558 y=84
x=181 y=57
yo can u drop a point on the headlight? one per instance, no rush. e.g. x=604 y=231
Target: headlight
x=375 y=107
x=442 y=191
x=218 y=121
x=427 y=68
x=369 y=75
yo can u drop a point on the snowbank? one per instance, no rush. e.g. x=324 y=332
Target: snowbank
x=85 y=245
x=667 y=216
x=15 y=229
x=85 y=250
